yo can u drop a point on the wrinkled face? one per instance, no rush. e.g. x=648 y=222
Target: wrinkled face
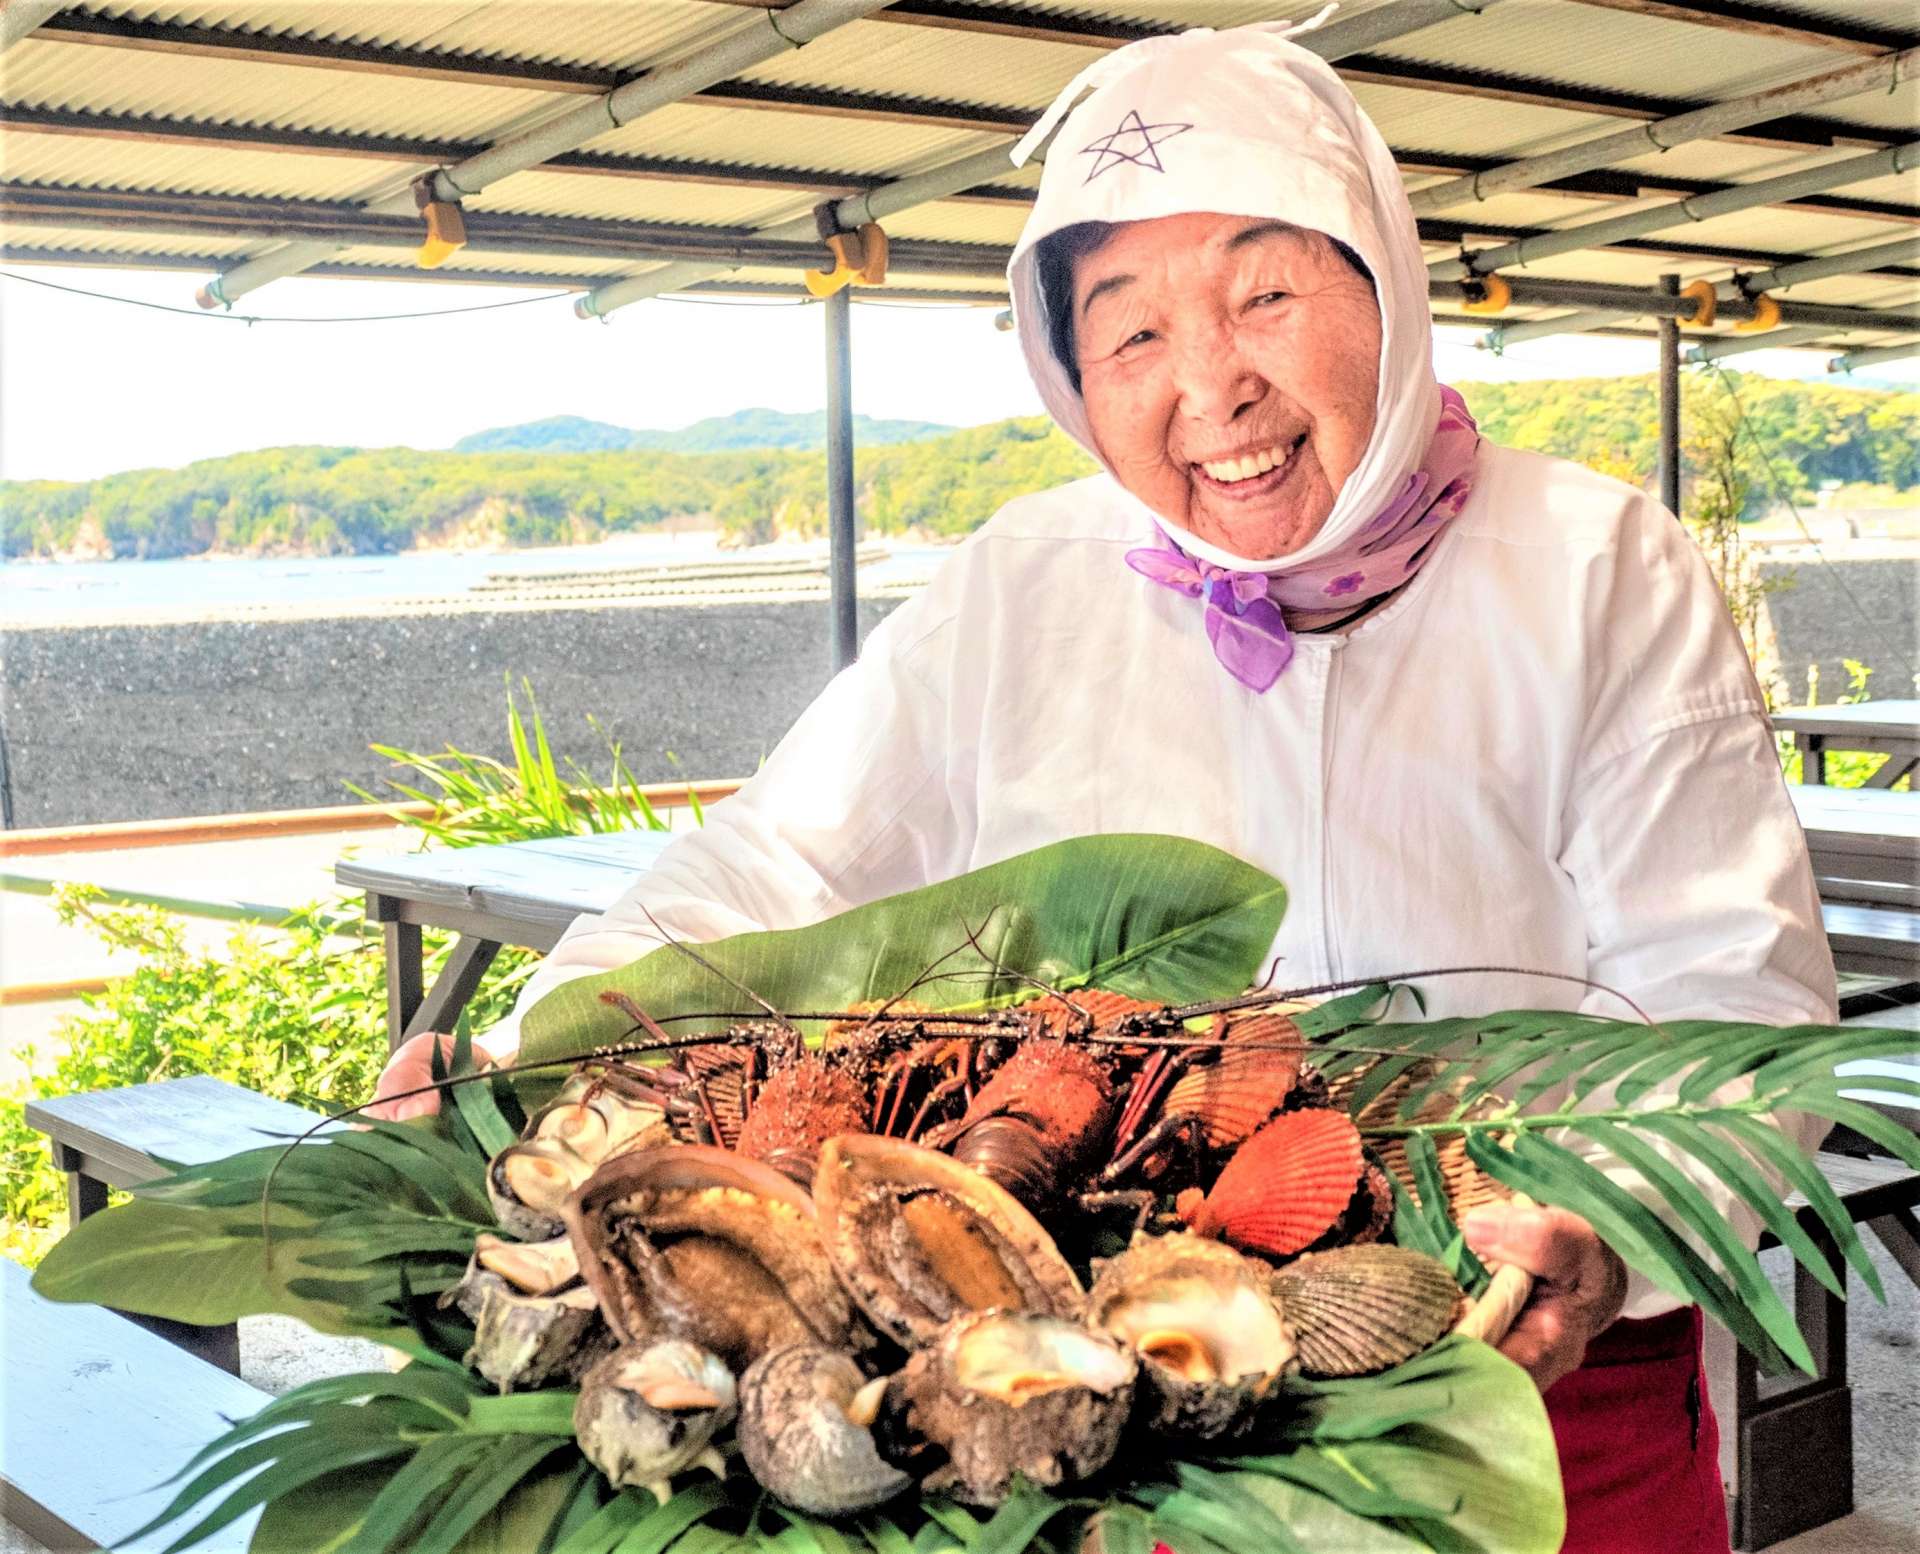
x=1230 y=367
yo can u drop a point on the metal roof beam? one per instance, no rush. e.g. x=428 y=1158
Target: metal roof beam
x=1772 y=340
x=20 y=17
x=1765 y=21
x=1876 y=356
x=1662 y=134
x=409 y=149
x=655 y=89
x=339 y=225
x=1637 y=301
x=1857 y=261
x=1387 y=20
x=1501 y=336
x=494 y=70
x=1737 y=197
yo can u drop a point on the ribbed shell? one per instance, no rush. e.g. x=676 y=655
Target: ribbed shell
x=1247 y=1085
x=1360 y=1309
x=1103 y=1007
x=1284 y=1188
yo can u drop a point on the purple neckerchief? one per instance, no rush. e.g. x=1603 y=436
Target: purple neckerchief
x=1244 y=610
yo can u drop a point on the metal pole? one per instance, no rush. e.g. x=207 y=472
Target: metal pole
x=1662 y=134
x=1670 y=403
x=845 y=604
x=1698 y=207
x=1856 y=261
x=1498 y=339
x=1875 y=356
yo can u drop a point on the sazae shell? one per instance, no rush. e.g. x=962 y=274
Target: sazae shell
x=1004 y=1392
x=522 y=1340
x=1284 y=1188
x=806 y=1430
x=917 y=1238
x=649 y=1411
x=1212 y=1341
x=1360 y=1309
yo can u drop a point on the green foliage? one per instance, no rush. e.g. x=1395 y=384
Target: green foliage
x=1702 y=1133
x=1818 y=431
x=478 y=799
x=756 y=428
x=298 y=1013
x=1154 y=916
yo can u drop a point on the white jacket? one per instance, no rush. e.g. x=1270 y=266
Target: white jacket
x=1548 y=752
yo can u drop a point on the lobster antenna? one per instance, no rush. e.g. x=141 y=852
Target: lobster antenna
x=920 y=981
x=1002 y=969
x=708 y=966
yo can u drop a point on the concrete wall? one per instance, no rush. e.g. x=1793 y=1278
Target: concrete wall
x=146 y=722
x=1864 y=609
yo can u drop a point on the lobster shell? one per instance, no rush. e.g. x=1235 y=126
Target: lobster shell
x=797 y=1111
x=1284 y=1188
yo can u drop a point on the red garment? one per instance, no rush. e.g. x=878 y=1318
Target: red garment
x=1639 y=1446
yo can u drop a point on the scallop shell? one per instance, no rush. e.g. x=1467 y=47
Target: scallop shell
x=917 y=1238
x=1103 y=1007
x=1212 y=1341
x=1258 y=1072
x=1361 y=1309
x=1284 y=1188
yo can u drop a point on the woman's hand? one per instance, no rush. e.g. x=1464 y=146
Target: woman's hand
x=1579 y=1286
x=410 y=1067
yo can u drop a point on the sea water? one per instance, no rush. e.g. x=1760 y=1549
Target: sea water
x=100 y=592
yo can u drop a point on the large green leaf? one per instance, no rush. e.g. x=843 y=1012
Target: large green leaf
x=360 y=1227
x=1156 y=916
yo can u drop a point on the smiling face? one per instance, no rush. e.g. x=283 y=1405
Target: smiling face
x=1230 y=368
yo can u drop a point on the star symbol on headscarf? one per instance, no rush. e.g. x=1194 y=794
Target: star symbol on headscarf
x=1134 y=141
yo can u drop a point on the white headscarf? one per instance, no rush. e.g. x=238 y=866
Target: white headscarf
x=1243 y=123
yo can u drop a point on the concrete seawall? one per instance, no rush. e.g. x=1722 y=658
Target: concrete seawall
x=143 y=722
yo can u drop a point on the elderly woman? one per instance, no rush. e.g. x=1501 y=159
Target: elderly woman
x=1473 y=706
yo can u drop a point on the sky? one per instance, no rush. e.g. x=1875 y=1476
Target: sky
x=88 y=386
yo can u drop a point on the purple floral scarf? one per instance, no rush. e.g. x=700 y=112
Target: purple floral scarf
x=1251 y=616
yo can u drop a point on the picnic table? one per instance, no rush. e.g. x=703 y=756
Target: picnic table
x=1891 y=728
x=523 y=893
x=526 y=893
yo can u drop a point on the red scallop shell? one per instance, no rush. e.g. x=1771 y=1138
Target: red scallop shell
x=1242 y=1089
x=1103 y=1007
x=1284 y=1188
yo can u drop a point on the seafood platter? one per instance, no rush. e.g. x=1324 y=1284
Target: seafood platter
x=926 y=1253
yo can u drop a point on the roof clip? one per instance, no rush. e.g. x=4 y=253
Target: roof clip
x=1706 y=303
x=1487 y=294
x=1766 y=315
x=857 y=256
x=446 y=224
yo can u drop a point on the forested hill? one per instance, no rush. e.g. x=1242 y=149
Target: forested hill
x=756 y=428
x=336 y=501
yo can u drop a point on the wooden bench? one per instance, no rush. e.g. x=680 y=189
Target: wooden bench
x=1788 y=1450
x=97 y=1413
x=121 y=1138
x=1865 y=847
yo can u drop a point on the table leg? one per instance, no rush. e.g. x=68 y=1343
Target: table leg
x=1899 y=1232
x=1891 y=771
x=404 y=979
x=458 y=981
x=1813 y=758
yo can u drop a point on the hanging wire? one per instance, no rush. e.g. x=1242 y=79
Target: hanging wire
x=271 y=318
x=1876 y=627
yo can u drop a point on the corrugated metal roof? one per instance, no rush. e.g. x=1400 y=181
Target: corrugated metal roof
x=906 y=70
